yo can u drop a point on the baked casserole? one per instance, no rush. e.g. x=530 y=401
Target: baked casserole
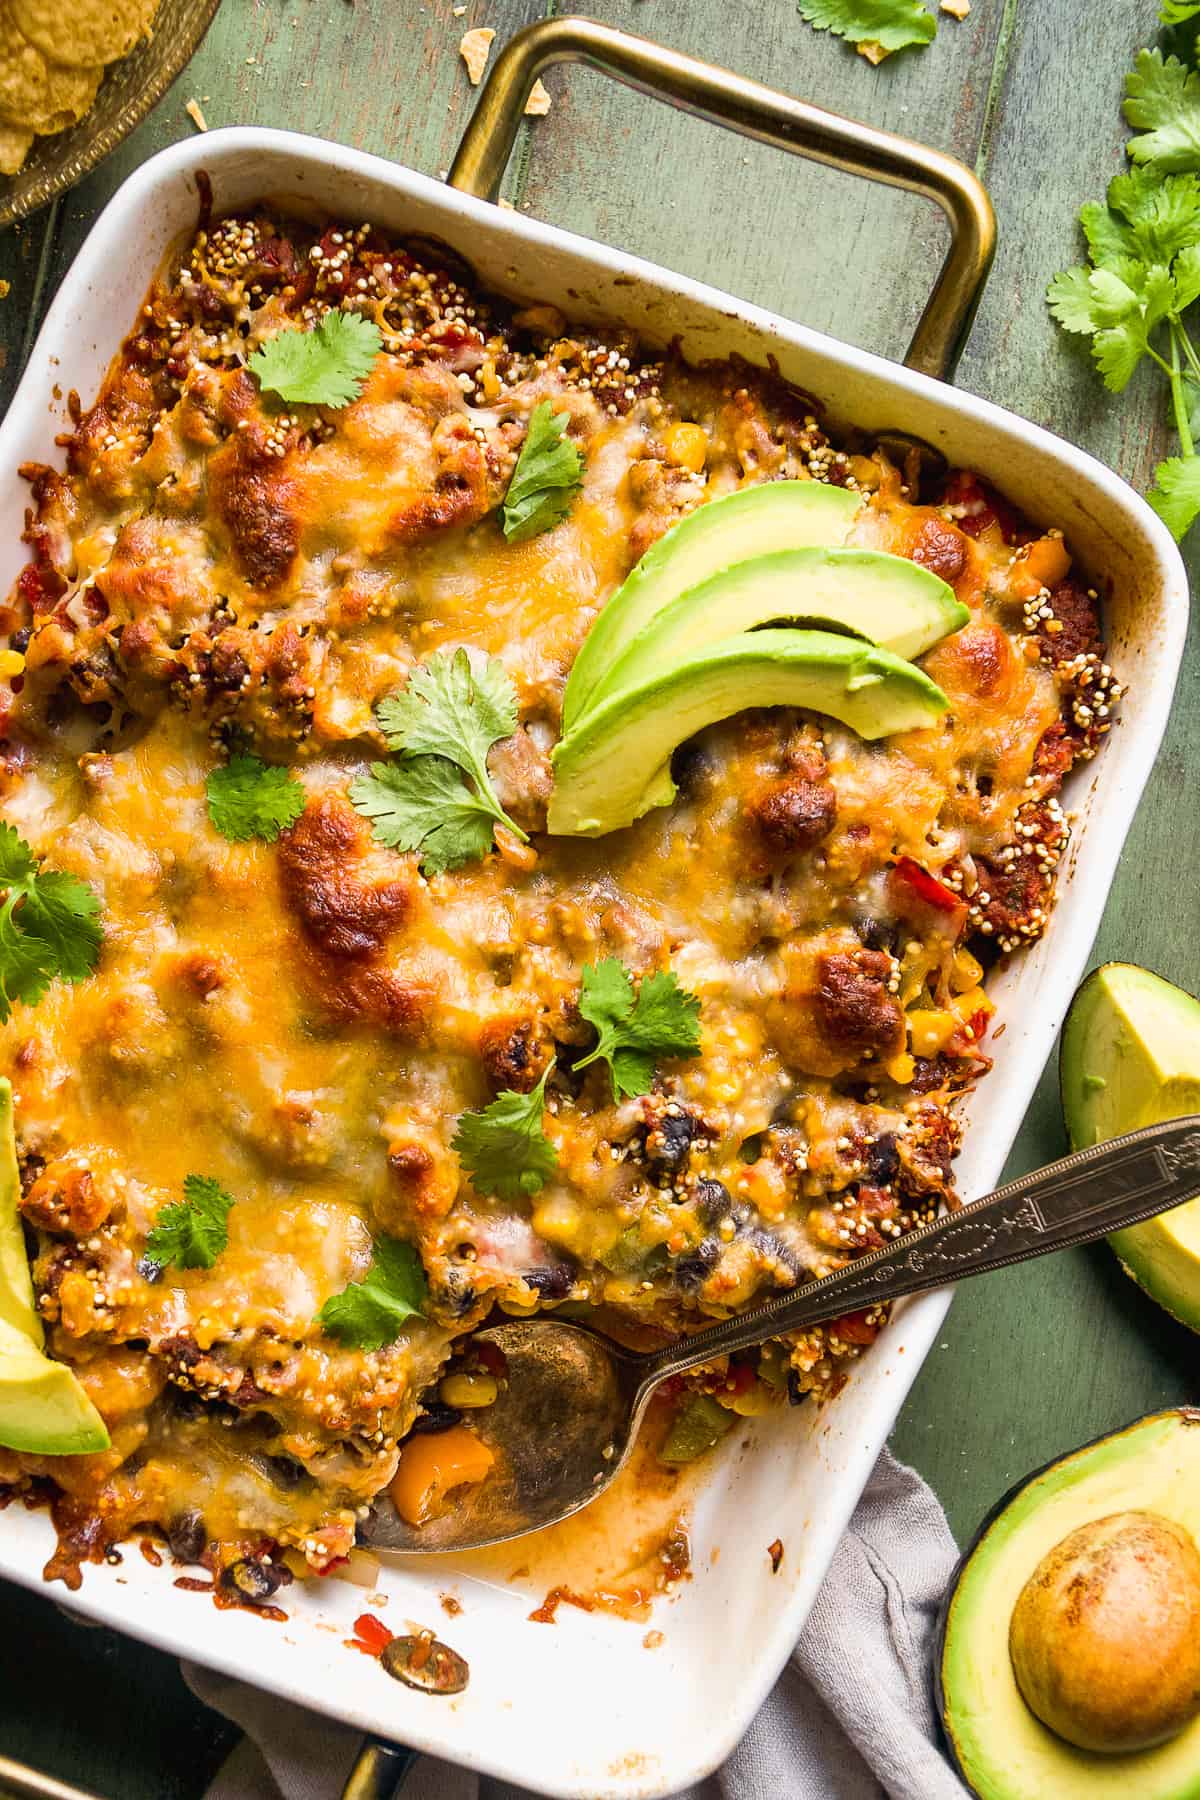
x=335 y=1084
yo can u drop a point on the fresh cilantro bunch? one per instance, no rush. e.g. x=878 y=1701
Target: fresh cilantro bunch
x=49 y=925
x=504 y=1148
x=636 y=1028
x=1143 y=273
x=369 y=1313
x=438 y=798
x=323 y=366
x=248 y=798
x=191 y=1232
x=876 y=27
x=549 y=471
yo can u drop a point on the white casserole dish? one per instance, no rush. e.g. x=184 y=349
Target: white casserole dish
x=582 y=1709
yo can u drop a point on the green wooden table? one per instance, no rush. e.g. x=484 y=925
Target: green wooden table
x=1032 y=1361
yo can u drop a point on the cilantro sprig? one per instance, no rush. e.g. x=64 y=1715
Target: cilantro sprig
x=548 y=474
x=192 y=1232
x=876 y=27
x=637 y=1028
x=49 y=925
x=1143 y=271
x=504 y=1148
x=369 y=1313
x=438 y=798
x=248 y=798
x=323 y=366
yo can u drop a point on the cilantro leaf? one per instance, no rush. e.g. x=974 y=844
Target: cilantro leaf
x=444 y=723
x=1178 y=12
x=1161 y=213
x=549 y=471
x=49 y=925
x=368 y=1314
x=248 y=798
x=1175 y=495
x=424 y=804
x=323 y=366
x=192 y=1232
x=1118 y=316
x=637 y=1030
x=504 y=1148
x=1069 y=297
x=892 y=24
x=1162 y=98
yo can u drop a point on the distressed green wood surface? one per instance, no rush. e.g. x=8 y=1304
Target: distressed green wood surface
x=1034 y=1360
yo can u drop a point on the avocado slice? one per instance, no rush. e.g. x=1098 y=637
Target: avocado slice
x=775 y=515
x=43 y=1409
x=616 y=765
x=16 y=1284
x=1002 y=1750
x=886 y=599
x=1130 y=1056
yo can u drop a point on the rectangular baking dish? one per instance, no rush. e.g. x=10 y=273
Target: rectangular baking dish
x=581 y=1708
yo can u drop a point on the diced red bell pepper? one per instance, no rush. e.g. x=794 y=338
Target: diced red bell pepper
x=979 y=1022
x=856 y=1327
x=927 y=887
x=373 y=1633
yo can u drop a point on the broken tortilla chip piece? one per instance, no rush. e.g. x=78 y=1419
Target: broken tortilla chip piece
x=474 y=50
x=538 y=103
x=81 y=33
x=14 y=148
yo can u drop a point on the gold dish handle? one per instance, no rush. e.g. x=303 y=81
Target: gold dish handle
x=756 y=112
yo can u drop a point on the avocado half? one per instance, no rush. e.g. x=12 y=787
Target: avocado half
x=1130 y=1056
x=754 y=521
x=1000 y=1748
x=43 y=1408
x=885 y=599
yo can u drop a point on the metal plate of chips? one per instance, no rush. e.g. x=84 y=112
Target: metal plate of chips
x=52 y=80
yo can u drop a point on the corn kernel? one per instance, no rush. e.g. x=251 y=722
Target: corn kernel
x=901 y=1068
x=687 y=446
x=967 y=972
x=11 y=662
x=930 y=1030
x=464 y=1390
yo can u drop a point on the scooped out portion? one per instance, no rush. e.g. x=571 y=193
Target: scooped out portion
x=1069 y=1660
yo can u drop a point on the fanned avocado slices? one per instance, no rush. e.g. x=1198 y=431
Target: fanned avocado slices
x=616 y=765
x=885 y=599
x=754 y=521
x=43 y=1408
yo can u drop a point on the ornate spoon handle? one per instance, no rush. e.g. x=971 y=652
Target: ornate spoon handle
x=1085 y=1196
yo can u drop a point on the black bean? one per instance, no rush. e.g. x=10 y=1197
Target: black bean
x=253 y=1580
x=284 y=1471
x=148 y=1270
x=878 y=934
x=883 y=1160
x=795 y=1391
x=187 y=1536
x=553 y=1283
x=691 y=770
x=19 y=641
x=668 y=1143
x=435 y=1417
x=713 y=1200
x=693 y=1270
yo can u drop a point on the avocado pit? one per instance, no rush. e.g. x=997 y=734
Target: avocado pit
x=1105 y=1634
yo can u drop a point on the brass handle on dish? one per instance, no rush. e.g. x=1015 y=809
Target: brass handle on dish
x=757 y=112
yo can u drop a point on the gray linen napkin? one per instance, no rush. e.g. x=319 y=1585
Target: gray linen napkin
x=850 y=1719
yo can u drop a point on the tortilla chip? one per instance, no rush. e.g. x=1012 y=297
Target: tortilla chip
x=81 y=33
x=474 y=50
x=538 y=103
x=14 y=148
x=22 y=73
x=69 y=93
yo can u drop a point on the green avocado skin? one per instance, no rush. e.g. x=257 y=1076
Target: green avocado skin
x=754 y=521
x=616 y=765
x=997 y=1745
x=16 y=1284
x=1130 y=1056
x=885 y=599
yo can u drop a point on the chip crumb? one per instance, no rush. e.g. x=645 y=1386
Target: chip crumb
x=775 y=1552
x=5 y=289
x=195 y=114
x=872 y=50
x=652 y=1640
x=474 y=51
x=506 y=205
x=538 y=103
x=958 y=9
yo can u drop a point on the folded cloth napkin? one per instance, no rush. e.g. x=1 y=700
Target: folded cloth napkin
x=850 y=1719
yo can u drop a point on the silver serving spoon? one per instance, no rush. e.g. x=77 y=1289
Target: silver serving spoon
x=566 y=1418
